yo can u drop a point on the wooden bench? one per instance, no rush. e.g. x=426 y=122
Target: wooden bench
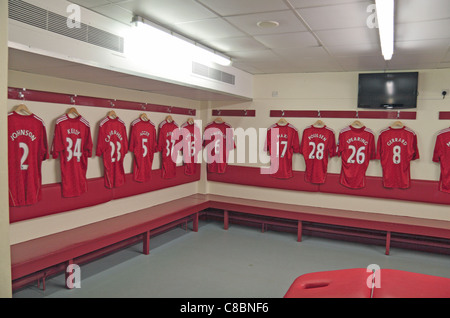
x=39 y=258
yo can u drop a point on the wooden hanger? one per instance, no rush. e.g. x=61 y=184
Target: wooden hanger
x=190 y=121
x=282 y=122
x=319 y=124
x=112 y=114
x=144 y=117
x=73 y=111
x=398 y=124
x=169 y=119
x=22 y=108
x=357 y=124
x=219 y=120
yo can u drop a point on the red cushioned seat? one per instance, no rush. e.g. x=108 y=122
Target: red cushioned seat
x=401 y=284
x=346 y=283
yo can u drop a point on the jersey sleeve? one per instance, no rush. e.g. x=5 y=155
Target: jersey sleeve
x=372 y=148
x=57 y=144
x=296 y=141
x=88 y=145
x=44 y=144
x=267 y=145
x=379 y=148
x=332 y=145
x=437 y=152
x=416 y=154
x=100 y=142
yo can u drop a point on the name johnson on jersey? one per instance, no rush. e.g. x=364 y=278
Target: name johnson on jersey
x=25 y=133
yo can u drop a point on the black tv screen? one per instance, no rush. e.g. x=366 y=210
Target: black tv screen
x=388 y=90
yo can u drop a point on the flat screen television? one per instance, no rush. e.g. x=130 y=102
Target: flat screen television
x=388 y=90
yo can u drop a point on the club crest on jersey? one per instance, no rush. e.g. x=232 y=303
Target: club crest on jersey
x=113 y=133
x=400 y=140
x=23 y=132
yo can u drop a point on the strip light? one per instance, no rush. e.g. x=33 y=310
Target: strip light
x=385 y=15
x=174 y=43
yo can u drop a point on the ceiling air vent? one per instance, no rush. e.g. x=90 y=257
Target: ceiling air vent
x=212 y=73
x=32 y=15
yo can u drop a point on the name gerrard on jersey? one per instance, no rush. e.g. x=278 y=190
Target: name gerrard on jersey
x=113 y=133
x=23 y=132
x=394 y=140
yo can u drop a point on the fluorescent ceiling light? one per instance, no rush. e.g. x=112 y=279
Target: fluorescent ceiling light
x=176 y=44
x=385 y=16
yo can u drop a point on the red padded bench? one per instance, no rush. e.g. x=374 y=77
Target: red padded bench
x=38 y=258
x=349 y=222
x=360 y=283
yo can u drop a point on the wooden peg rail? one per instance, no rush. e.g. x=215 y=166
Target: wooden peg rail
x=58 y=98
x=344 y=114
x=234 y=113
x=444 y=115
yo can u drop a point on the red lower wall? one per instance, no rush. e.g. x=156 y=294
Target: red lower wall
x=52 y=201
x=420 y=190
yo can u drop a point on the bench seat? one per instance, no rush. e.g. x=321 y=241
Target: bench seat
x=41 y=253
x=62 y=248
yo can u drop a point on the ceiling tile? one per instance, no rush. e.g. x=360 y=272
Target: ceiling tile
x=428 y=30
x=238 y=7
x=319 y=3
x=288 y=22
x=348 y=36
x=208 y=29
x=347 y=15
x=115 y=12
x=288 y=40
x=168 y=12
x=235 y=44
x=90 y=3
x=420 y=10
x=365 y=49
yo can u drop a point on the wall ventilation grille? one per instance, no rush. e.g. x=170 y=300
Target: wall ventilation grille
x=211 y=73
x=32 y=15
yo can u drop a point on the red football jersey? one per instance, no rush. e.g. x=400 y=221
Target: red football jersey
x=219 y=141
x=442 y=154
x=167 y=139
x=318 y=144
x=27 y=148
x=112 y=145
x=282 y=149
x=143 y=144
x=396 y=149
x=192 y=145
x=72 y=143
x=356 y=147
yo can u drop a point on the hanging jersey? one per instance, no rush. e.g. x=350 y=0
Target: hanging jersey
x=143 y=145
x=192 y=145
x=166 y=145
x=112 y=145
x=72 y=143
x=281 y=150
x=27 y=148
x=219 y=141
x=396 y=149
x=441 y=155
x=356 y=147
x=318 y=144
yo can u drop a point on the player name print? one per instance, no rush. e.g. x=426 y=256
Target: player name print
x=357 y=139
x=73 y=131
x=25 y=133
x=397 y=140
x=113 y=133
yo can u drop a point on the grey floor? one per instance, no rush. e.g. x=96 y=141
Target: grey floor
x=242 y=262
